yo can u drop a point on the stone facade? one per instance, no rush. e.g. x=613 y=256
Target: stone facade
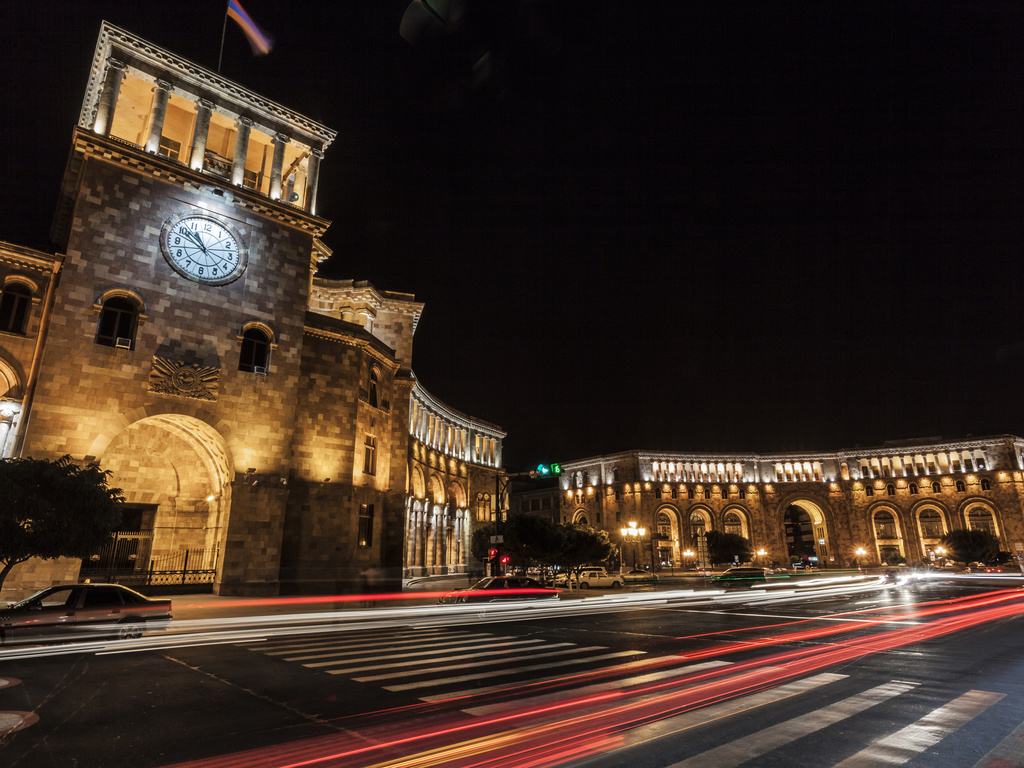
x=858 y=507
x=262 y=423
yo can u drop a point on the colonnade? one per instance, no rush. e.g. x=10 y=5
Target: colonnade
x=436 y=539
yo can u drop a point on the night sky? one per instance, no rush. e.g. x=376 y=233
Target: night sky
x=699 y=225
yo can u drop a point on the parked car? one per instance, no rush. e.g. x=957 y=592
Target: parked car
x=596 y=578
x=639 y=576
x=495 y=589
x=82 y=611
x=740 y=576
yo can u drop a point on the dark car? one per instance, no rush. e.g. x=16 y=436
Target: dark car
x=82 y=611
x=741 y=576
x=495 y=589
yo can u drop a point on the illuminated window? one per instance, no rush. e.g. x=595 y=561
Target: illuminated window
x=255 y=351
x=733 y=524
x=885 y=526
x=118 y=319
x=365 y=525
x=370 y=455
x=14 y=304
x=374 y=394
x=980 y=519
x=931 y=524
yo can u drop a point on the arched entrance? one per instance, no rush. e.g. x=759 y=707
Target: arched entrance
x=806 y=534
x=175 y=472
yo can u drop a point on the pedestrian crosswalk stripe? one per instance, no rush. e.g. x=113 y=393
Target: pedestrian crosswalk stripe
x=476 y=664
x=509 y=670
x=435 y=646
x=587 y=690
x=519 y=685
x=362 y=641
x=899 y=747
x=324 y=634
x=756 y=744
x=492 y=649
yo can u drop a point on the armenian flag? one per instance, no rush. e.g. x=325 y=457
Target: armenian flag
x=260 y=41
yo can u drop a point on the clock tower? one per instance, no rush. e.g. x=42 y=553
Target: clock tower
x=188 y=227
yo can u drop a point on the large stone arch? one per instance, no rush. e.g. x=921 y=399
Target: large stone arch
x=175 y=471
x=976 y=502
x=825 y=534
x=928 y=529
x=700 y=521
x=667 y=538
x=888 y=531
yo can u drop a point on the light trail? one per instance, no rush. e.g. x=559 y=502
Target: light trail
x=564 y=731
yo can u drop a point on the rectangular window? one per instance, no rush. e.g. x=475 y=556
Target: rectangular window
x=370 y=455
x=365 y=525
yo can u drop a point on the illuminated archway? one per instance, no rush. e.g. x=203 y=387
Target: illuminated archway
x=175 y=472
x=807 y=530
x=667 y=535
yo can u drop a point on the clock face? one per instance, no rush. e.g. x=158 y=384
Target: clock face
x=203 y=248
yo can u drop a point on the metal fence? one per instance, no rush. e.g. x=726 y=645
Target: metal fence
x=126 y=560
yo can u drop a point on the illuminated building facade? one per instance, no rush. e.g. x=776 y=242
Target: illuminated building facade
x=261 y=420
x=862 y=506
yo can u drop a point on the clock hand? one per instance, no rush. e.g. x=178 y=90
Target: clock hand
x=195 y=239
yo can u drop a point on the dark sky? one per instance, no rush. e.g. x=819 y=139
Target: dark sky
x=701 y=225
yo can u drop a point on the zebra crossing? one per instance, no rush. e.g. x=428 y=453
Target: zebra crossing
x=419 y=660
x=437 y=664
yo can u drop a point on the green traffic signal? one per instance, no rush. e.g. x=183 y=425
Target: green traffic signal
x=549 y=469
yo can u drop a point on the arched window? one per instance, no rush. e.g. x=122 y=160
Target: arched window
x=913 y=489
x=986 y=484
x=118 y=320
x=14 y=304
x=931 y=524
x=980 y=519
x=890 y=490
x=374 y=392
x=255 y=352
x=869 y=491
x=936 y=487
x=664 y=526
x=733 y=524
x=960 y=487
x=885 y=525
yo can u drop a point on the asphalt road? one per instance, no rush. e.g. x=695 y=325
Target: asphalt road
x=924 y=675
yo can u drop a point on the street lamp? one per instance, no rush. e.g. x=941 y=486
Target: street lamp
x=687 y=555
x=941 y=553
x=760 y=556
x=633 y=534
x=860 y=553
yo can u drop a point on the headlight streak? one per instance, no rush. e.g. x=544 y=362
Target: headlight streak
x=550 y=735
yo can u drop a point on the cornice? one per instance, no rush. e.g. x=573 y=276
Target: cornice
x=115 y=151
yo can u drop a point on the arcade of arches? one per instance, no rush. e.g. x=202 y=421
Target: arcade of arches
x=839 y=510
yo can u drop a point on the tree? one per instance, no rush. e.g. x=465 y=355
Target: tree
x=968 y=546
x=583 y=545
x=528 y=540
x=54 y=509
x=726 y=547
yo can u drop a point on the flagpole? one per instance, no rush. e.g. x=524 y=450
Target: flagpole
x=223 y=31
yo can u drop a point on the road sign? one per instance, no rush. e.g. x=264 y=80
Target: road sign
x=499 y=539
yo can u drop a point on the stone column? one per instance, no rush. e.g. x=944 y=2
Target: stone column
x=162 y=91
x=313 y=179
x=108 y=96
x=275 y=167
x=204 y=109
x=242 y=127
x=6 y=423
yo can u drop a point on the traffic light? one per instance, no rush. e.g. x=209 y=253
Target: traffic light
x=504 y=559
x=492 y=553
x=543 y=470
